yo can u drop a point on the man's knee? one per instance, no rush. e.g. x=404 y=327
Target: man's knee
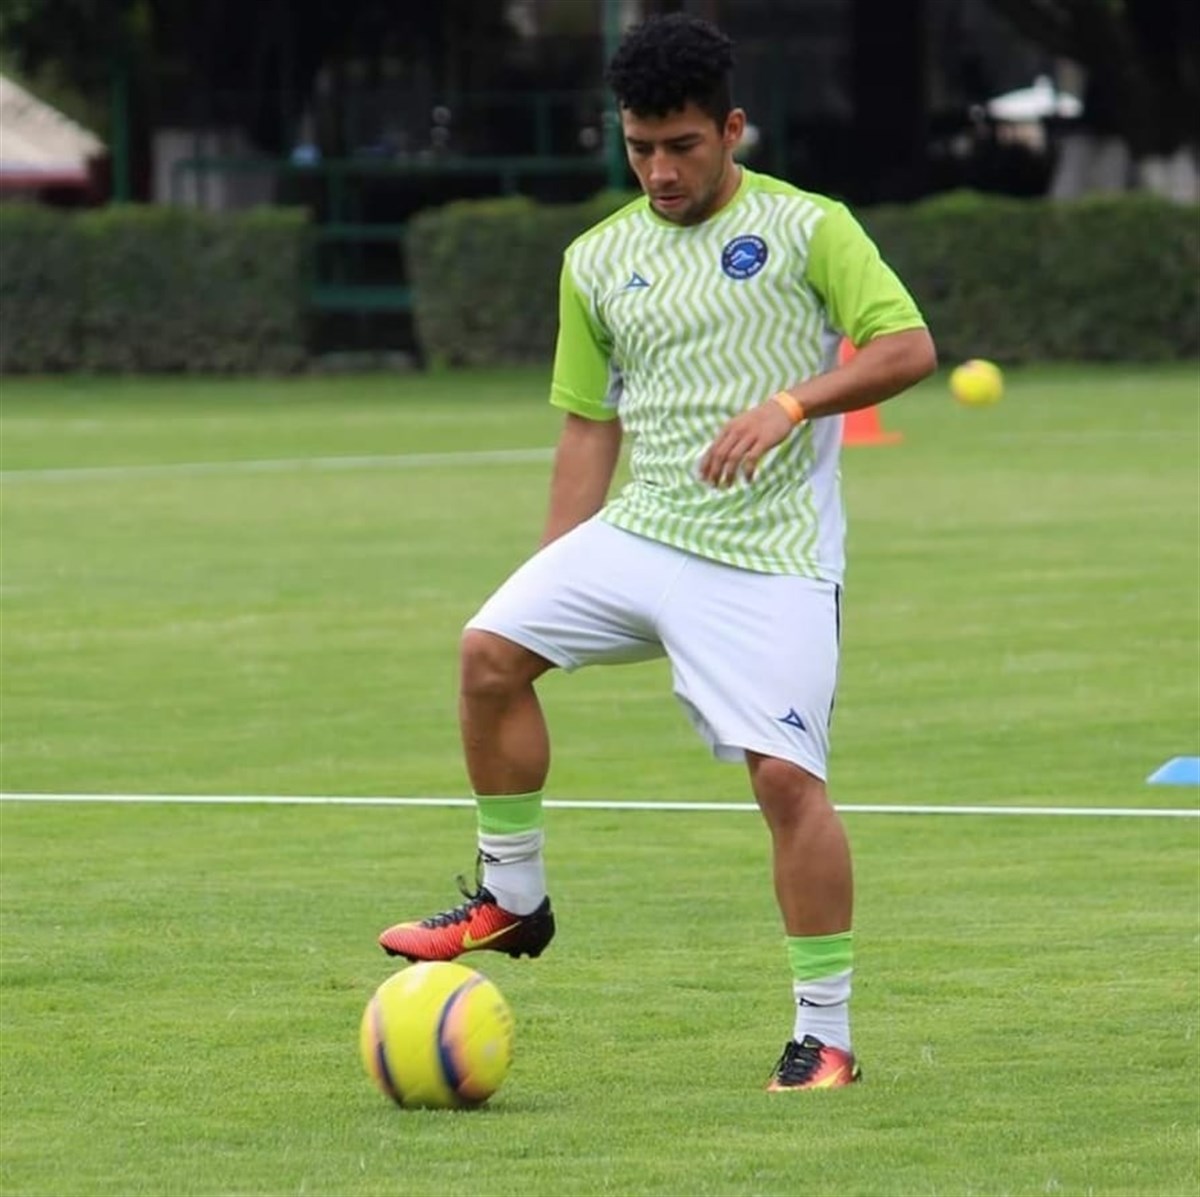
x=491 y=666
x=784 y=790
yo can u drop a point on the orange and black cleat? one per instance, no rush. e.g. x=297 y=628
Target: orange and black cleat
x=809 y=1064
x=478 y=924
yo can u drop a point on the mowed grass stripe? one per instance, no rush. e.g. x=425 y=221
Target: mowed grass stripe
x=1020 y=618
x=188 y=982
x=182 y=984
x=395 y=461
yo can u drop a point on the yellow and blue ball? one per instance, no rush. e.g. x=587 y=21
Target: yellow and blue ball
x=437 y=1035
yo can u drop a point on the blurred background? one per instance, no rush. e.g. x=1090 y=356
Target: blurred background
x=365 y=113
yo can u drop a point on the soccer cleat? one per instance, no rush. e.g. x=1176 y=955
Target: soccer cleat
x=809 y=1064
x=477 y=924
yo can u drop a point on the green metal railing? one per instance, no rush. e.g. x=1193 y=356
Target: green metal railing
x=337 y=295
x=339 y=170
x=343 y=223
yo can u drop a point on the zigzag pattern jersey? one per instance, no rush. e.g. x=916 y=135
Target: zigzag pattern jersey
x=676 y=329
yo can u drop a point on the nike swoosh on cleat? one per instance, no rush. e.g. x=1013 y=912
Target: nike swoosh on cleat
x=469 y=941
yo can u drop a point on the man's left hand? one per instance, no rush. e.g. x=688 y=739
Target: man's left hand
x=739 y=446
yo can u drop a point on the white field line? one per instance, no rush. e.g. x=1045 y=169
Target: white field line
x=573 y=804
x=1085 y=435
x=394 y=461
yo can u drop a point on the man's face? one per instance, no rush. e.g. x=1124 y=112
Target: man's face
x=683 y=161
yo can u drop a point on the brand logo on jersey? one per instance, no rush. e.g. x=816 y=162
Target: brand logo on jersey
x=635 y=281
x=744 y=256
x=792 y=719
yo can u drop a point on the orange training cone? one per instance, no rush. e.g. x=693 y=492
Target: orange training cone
x=862 y=427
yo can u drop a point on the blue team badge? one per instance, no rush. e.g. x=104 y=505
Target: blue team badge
x=744 y=256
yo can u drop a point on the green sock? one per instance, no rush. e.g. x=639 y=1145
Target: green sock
x=822 y=968
x=815 y=956
x=510 y=846
x=506 y=814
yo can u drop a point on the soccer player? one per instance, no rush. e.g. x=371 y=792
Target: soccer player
x=702 y=323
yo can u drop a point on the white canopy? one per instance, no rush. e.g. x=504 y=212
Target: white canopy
x=1039 y=102
x=39 y=146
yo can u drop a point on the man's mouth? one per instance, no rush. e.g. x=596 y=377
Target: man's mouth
x=669 y=200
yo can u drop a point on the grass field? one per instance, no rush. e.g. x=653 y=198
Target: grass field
x=198 y=600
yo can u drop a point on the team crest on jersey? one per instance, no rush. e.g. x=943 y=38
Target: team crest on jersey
x=744 y=256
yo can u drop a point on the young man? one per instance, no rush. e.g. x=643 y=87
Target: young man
x=702 y=321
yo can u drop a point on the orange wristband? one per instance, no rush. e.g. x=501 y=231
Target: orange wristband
x=791 y=405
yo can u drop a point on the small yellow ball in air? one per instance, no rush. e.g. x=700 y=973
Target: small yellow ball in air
x=977 y=383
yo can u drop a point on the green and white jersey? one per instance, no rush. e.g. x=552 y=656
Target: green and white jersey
x=676 y=329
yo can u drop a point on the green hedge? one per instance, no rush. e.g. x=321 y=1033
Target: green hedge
x=1014 y=280
x=1113 y=278
x=485 y=276
x=41 y=290
x=130 y=289
x=139 y=289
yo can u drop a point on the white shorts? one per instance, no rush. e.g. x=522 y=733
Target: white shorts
x=754 y=656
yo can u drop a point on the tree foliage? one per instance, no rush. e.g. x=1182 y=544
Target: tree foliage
x=250 y=64
x=260 y=61
x=78 y=37
x=1142 y=59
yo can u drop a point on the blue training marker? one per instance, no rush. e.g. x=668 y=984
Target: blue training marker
x=1178 y=771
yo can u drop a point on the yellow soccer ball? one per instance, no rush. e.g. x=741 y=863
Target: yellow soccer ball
x=437 y=1035
x=977 y=383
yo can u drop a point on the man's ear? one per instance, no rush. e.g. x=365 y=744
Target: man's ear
x=735 y=126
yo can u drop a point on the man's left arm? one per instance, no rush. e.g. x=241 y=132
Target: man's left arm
x=868 y=302
x=886 y=365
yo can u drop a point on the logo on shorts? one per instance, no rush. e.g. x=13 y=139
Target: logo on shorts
x=744 y=256
x=792 y=719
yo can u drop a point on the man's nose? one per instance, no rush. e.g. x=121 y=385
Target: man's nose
x=662 y=169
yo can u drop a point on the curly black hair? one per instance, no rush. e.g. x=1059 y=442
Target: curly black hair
x=667 y=61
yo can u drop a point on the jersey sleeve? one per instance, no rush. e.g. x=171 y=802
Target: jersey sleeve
x=584 y=381
x=862 y=294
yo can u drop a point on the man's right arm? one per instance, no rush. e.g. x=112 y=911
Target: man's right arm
x=584 y=463
x=587 y=388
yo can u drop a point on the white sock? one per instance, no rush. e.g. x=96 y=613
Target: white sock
x=513 y=870
x=823 y=1010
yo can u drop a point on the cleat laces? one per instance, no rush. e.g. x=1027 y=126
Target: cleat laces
x=799 y=1061
x=474 y=900
x=461 y=913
